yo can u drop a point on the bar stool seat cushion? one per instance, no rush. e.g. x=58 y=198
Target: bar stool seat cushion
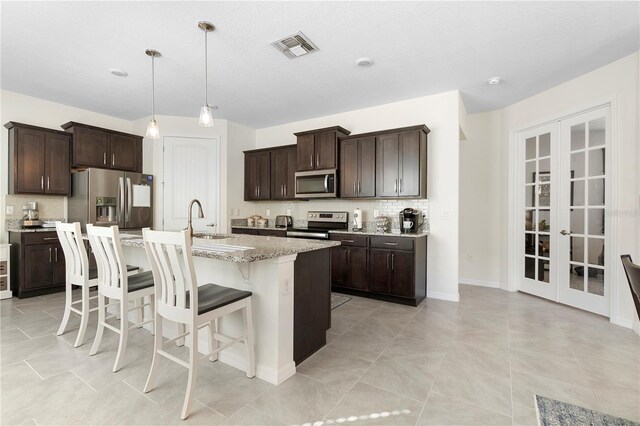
x=140 y=281
x=212 y=296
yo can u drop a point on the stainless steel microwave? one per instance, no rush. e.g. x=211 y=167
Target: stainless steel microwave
x=316 y=184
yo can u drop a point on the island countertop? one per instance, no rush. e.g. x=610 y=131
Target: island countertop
x=242 y=248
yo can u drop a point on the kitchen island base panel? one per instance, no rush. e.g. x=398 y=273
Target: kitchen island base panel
x=271 y=281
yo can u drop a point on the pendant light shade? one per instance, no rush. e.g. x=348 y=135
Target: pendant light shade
x=206 y=116
x=152 y=129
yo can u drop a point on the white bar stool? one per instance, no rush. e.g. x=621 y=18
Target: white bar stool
x=175 y=301
x=77 y=273
x=115 y=283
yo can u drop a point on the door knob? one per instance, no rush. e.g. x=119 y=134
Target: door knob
x=565 y=232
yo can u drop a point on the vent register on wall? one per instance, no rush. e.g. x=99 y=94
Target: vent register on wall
x=332 y=163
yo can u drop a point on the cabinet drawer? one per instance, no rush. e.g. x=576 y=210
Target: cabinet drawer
x=272 y=232
x=392 y=243
x=244 y=231
x=39 y=237
x=3 y=283
x=350 y=239
x=3 y=267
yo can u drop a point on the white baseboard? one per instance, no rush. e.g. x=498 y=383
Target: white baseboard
x=622 y=322
x=451 y=297
x=480 y=283
x=234 y=357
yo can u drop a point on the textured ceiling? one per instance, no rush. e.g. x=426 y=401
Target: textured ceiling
x=62 y=51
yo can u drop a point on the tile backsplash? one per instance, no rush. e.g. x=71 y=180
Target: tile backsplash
x=48 y=206
x=388 y=208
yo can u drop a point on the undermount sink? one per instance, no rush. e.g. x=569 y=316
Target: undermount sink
x=206 y=236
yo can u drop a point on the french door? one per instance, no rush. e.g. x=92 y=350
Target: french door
x=564 y=197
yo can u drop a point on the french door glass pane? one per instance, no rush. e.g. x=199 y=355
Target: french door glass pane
x=543 y=270
x=530 y=243
x=577 y=193
x=577 y=164
x=529 y=219
x=577 y=137
x=595 y=281
x=529 y=196
x=596 y=162
x=596 y=192
x=544 y=220
x=530 y=268
x=577 y=249
x=544 y=145
x=596 y=222
x=597 y=132
x=530 y=172
x=530 y=148
x=596 y=251
x=576 y=277
x=544 y=246
x=576 y=219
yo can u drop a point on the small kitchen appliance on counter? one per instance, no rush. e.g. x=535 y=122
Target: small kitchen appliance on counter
x=284 y=221
x=357 y=220
x=410 y=220
x=31 y=218
x=319 y=224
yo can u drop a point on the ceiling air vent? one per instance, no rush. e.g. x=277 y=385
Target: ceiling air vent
x=295 y=45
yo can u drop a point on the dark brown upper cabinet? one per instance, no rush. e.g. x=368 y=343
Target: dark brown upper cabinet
x=318 y=149
x=38 y=160
x=358 y=167
x=401 y=163
x=257 y=175
x=283 y=168
x=108 y=149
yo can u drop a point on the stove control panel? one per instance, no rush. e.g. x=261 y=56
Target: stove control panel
x=335 y=217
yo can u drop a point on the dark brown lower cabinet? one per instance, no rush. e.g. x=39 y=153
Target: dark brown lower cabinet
x=262 y=232
x=388 y=268
x=37 y=263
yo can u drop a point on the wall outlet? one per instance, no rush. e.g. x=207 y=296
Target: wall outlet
x=268 y=212
x=376 y=213
x=9 y=209
x=288 y=212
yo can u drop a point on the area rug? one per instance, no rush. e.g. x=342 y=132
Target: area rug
x=555 y=413
x=338 y=299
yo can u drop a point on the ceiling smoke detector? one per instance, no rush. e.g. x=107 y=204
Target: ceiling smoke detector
x=295 y=45
x=118 y=72
x=364 y=62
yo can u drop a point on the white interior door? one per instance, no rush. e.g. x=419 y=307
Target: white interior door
x=584 y=249
x=538 y=212
x=563 y=198
x=191 y=168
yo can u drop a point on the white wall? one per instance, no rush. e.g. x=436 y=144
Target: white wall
x=617 y=81
x=480 y=225
x=440 y=113
x=240 y=138
x=38 y=112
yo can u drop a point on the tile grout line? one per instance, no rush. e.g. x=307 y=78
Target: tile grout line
x=34 y=370
x=83 y=381
x=139 y=393
x=510 y=371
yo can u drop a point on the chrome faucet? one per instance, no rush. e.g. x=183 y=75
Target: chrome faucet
x=200 y=215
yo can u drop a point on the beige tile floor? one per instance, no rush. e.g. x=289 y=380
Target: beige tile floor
x=476 y=362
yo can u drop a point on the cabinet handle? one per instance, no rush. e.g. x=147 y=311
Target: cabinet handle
x=42 y=182
x=49 y=238
x=392 y=257
x=359 y=187
x=349 y=251
x=354 y=187
x=258 y=191
x=400 y=187
x=311 y=160
x=48 y=183
x=317 y=159
x=395 y=186
x=390 y=244
x=104 y=158
x=387 y=260
x=49 y=254
x=348 y=241
x=55 y=250
x=113 y=159
x=285 y=190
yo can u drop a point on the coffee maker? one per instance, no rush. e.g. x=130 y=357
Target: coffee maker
x=31 y=215
x=410 y=220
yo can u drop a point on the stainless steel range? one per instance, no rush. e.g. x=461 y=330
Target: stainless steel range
x=319 y=224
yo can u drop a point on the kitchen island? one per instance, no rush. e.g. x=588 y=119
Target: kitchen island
x=291 y=284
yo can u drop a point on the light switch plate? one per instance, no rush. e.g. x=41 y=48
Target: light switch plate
x=376 y=213
x=9 y=209
x=268 y=213
x=288 y=212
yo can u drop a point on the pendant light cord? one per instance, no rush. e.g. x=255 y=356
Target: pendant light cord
x=206 y=99
x=153 y=87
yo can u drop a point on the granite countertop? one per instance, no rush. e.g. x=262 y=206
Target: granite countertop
x=391 y=233
x=243 y=248
x=18 y=229
x=272 y=227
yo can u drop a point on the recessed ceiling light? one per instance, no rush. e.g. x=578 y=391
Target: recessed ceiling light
x=364 y=62
x=118 y=72
x=494 y=80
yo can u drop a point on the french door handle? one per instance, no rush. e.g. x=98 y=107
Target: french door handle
x=565 y=232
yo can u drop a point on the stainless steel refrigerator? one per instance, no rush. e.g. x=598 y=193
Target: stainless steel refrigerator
x=110 y=197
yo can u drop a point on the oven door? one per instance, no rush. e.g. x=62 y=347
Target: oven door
x=316 y=184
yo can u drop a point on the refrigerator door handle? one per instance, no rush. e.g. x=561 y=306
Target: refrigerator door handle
x=129 y=201
x=121 y=196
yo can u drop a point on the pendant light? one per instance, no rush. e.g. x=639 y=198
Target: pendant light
x=152 y=129
x=206 y=117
